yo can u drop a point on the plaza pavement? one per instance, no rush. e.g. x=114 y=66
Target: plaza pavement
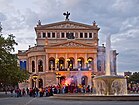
x=51 y=101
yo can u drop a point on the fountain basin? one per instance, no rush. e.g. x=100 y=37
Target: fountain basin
x=110 y=85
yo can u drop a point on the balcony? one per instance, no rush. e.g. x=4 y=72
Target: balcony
x=75 y=69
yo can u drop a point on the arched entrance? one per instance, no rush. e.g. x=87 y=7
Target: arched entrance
x=84 y=80
x=62 y=80
x=73 y=81
x=51 y=63
x=40 y=83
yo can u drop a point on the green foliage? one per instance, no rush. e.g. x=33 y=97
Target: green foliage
x=134 y=78
x=10 y=73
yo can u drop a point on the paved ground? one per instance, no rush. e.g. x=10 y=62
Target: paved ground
x=50 y=101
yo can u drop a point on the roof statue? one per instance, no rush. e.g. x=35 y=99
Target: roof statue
x=39 y=22
x=67 y=15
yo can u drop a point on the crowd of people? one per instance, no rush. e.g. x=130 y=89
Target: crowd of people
x=50 y=90
x=133 y=88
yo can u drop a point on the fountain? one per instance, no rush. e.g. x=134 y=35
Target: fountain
x=109 y=84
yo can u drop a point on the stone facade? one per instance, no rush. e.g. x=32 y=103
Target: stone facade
x=65 y=50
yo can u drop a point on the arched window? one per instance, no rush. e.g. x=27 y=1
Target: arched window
x=40 y=66
x=51 y=63
x=90 y=64
x=40 y=83
x=61 y=63
x=80 y=63
x=33 y=66
x=84 y=80
x=71 y=62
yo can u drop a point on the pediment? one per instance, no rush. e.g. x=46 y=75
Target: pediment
x=71 y=44
x=67 y=25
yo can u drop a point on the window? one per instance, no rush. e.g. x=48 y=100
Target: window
x=40 y=66
x=81 y=35
x=33 y=66
x=48 y=34
x=23 y=65
x=70 y=35
x=85 y=35
x=62 y=35
x=90 y=35
x=39 y=35
x=43 y=34
x=99 y=65
x=53 y=35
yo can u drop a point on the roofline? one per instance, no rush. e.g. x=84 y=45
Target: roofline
x=53 y=24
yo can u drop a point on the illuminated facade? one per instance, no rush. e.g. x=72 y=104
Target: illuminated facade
x=65 y=50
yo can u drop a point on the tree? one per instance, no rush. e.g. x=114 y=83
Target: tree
x=134 y=77
x=10 y=73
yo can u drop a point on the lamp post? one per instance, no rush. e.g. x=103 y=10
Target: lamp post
x=35 y=76
x=58 y=76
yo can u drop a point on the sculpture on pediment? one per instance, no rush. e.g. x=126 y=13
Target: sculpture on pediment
x=71 y=44
x=67 y=15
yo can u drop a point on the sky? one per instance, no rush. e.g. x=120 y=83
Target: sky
x=118 y=18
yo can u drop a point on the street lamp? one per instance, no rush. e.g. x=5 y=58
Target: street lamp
x=35 y=76
x=58 y=76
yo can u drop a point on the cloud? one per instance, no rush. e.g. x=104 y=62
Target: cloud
x=116 y=17
x=2 y=17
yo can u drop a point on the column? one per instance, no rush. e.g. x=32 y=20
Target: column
x=76 y=61
x=95 y=63
x=36 y=65
x=47 y=63
x=37 y=83
x=90 y=80
x=44 y=81
x=29 y=63
x=79 y=79
x=86 y=56
x=56 y=63
x=30 y=82
x=66 y=66
x=65 y=34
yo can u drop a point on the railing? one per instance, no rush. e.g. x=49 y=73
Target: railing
x=71 y=69
x=75 y=69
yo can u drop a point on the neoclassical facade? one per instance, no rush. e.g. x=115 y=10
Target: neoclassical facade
x=65 y=52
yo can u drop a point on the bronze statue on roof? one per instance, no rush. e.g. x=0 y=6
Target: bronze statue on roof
x=67 y=15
